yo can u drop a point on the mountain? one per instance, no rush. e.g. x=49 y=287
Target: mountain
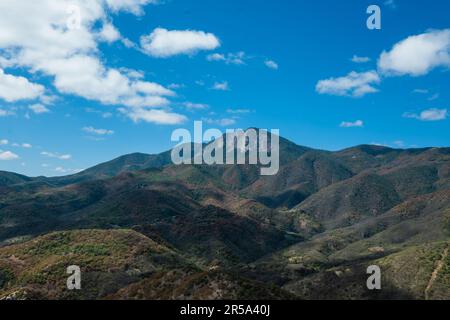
x=9 y=178
x=126 y=163
x=323 y=218
x=119 y=264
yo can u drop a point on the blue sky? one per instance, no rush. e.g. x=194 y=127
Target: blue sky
x=133 y=71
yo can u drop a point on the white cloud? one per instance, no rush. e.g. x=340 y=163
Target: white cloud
x=56 y=155
x=230 y=58
x=63 y=170
x=39 y=108
x=220 y=122
x=104 y=115
x=238 y=111
x=48 y=99
x=399 y=143
x=60 y=169
x=221 y=86
x=428 y=115
x=421 y=91
x=434 y=97
x=417 y=55
x=162 y=43
x=355 y=124
x=271 y=64
x=152 y=89
x=154 y=116
x=5 y=113
x=23 y=145
x=391 y=4
x=357 y=59
x=354 y=84
x=3 y=142
x=133 y=6
x=196 y=106
x=175 y=86
x=65 y=157
x=109 y=33
x=109 y=86
x=100 y=132
x=44 y=45
x=133 y=74
x=8 y=155
x=216 y=57
x=14 y=88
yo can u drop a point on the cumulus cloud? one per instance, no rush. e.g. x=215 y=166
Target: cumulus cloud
x=152 y=89
x=434 y=97
x=133 y=6
x=39 y=108
x=176 y=86
x=109 y=86
x=13 y=88
x=220 y=122
x=23 y=145
x=48 y=45
x=63 y=170
x=8 y=156
x=399 y=143
x=5 y=113
x=355 y=124
x=230 y=58
x=271 y=64
x=155 y=116
x=100 y=132
x=132 y=74
x=56 y=155
x=417 y=55
x=357 y=59
x=391 y=4
x=216 y=57
x=221 y=86
x=3 y=142
x=104 y=115
x=354 y=84
x=238 y=111
x=432 y=114
x=109 y=33
x=163 y=43
x=196 y=106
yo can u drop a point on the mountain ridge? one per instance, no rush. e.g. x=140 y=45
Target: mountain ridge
x=157 y=160
x=325 y=215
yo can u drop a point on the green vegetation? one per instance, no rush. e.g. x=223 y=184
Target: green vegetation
x=141 y=228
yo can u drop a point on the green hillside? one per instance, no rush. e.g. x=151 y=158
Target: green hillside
x=325 y=217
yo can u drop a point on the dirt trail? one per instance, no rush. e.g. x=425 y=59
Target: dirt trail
x=435 y=273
